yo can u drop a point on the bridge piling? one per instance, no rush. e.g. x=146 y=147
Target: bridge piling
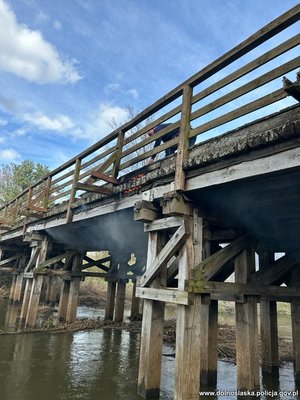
x=73 y=299
x=135 y=302
x=63 y=300
x=110 y=300
x=12 y=288
x=120 y=301
x=295 y=316
x=268 y=326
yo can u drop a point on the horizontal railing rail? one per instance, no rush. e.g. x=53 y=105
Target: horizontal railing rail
x=238 y=87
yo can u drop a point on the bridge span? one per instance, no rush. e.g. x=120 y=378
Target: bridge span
x=179 y=228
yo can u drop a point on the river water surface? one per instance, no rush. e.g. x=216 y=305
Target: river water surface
x=97 y=365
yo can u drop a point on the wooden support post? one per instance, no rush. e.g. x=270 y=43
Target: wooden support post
x=183 y=143
x=135 y=303
x=110 y=301
x=120 y=301
x=36 y=286
x=268 y=326
x=152 y=335
x=73 y=190
x=54 y=290
x=247 y=360
x=48 y=280
x=73 y=299
x=63 y=301
x=188 y=327
x=295 y=315
x=18 y=288
x=25 y=303
x=208 y=344
x=12 y=288
x=34 y=301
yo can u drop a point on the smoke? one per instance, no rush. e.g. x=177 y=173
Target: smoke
x=116 y=232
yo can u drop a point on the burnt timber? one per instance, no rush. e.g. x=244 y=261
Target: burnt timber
x=180 y=227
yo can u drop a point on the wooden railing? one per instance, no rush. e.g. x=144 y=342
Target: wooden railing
x=242 y=83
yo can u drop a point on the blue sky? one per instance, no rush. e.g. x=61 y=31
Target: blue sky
x=69 y=66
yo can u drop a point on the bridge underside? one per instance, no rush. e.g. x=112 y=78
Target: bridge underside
x=266 y=207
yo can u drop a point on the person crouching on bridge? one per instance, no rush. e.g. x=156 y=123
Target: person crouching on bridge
x=168 y=136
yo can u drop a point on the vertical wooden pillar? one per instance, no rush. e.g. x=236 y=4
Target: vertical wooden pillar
x=73 y=299
x=12 y=288
x=18 y=288
x=120 y=301
x=110 y=301
x=295 y=316
x=188 y=327
x=152 y=336
x=208 y=345
x=63 y=300
x=48 y=288
x=52 y=290
x=247 y=360
x=268 y=326
x=25 y=303
x=36 y=286
x=34 y=301
x=135 y=303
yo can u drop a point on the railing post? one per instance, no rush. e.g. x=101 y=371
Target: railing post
x=183 y=140
x=73 y=190
x=47 y=192
x=28 y=204
x=119 y=148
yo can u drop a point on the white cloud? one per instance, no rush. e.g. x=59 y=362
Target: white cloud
x=57 y=25
x=3 y=122
x=9 y=155
x=103 y=119
x=2 y=139
x=134 y=93
x=26 y=54
x=60 y=123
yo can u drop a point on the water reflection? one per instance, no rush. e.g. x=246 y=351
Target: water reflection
x=98 y=365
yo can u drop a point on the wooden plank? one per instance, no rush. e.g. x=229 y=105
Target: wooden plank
x=102 y=168
x=244 y=89
x=10 y=259
x=251 y=66
x=213 y=264
x=239 y=289
x=165 y=295
x=164 y=256
x=104 y=177
x=241 y=111
x=274 y=272
x=164 y=223
x=55 y=259
x=183 y=140
x=94 y=189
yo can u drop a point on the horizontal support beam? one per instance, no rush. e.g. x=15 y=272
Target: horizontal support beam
x=104 y=177
x=93 y=188
x=163 y=223
x=56 y=259
x=36 y=208
x=165 y=295
x=219 y=289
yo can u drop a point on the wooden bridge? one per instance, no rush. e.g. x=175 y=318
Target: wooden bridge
x=183 y=225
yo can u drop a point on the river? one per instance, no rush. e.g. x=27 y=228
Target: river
x=97 y=365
